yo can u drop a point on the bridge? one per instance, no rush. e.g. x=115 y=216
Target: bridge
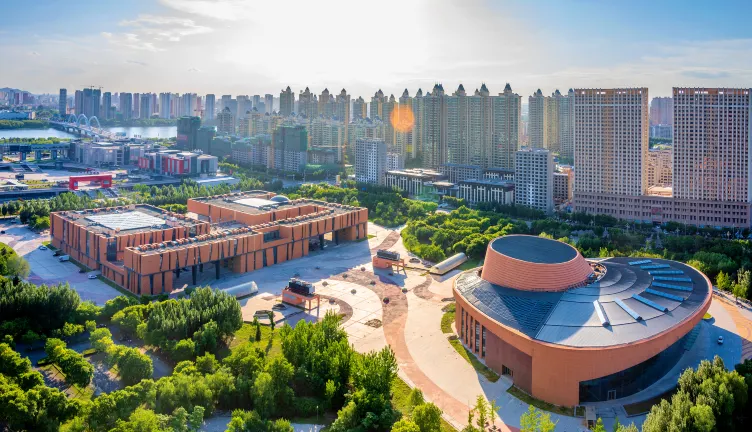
x=83 y=125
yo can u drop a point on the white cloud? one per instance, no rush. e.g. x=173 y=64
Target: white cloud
x=130 y=40
x=33 y=53
x=193 y=69
x=165 y=28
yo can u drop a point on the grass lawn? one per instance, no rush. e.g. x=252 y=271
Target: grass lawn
x=479 y=367
x=48 y=243
x=469 y=265
x=545 y=406
x=400 y=395
x=271 y=345
x=448 y=318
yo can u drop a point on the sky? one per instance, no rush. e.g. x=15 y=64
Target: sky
x=257 y=47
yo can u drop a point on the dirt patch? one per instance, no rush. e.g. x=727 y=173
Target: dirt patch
x=375 y=323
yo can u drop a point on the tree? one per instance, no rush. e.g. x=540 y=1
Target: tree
x=18 y=267
x=723 y=281
x=183 y=350
x=493 y=408
x=742 y=285
x=405 y=425
x=481 y=408
x=414 y=399
x=427 y=417
x=263 y=394
x=133 y=365
x=599 y=426
x=257 y=325
x=536 y=421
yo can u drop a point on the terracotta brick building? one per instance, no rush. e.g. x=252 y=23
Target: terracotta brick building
x=146 y=249
x=607 y=330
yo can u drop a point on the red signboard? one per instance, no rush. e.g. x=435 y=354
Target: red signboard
x=104 y=179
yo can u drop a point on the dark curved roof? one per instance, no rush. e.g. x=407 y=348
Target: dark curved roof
x=539 y=250
x=570 y=318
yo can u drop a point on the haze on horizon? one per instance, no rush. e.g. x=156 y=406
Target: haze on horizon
x=257 y=47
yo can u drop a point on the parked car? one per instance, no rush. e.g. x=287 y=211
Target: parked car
x=415 y=260
x=2 y=232
x=42 y=247
x=92 y=276
x=82 y=271
x=720 y=340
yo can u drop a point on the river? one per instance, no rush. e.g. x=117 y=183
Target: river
x=130 y=132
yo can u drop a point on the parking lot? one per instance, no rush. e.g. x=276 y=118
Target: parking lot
x=47 y=268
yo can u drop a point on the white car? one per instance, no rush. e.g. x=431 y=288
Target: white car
x=42 y=247
x=92 y=276
x=720 y=340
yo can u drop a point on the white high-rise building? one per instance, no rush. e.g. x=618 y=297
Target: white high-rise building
x=146 y=109
x=538 y=123
x=534 y=179
x=370 y=160
x=268 y=103
x=566 y=125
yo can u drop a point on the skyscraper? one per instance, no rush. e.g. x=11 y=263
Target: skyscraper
x=534 y=178
x=661 y=111
x=146 y=109
x=209 y=108
x=611 y=143
x=538 y=120
x=62 y=103
x=91 y=102
x=325 y=104
x=377 y=101
x=418 y=111
x=256 y=101
x=457 y=124
x=712 y=148
x=244 y=105
x=78 y=102
x=342 y=110
x=405 y=133
x=136 y=105
x=307 y=105
x=165 y=105
x=286 y=102
x=226 y=122
x=565 y=127
x=435 y=128
x=126 y=106
x=370 y=160
x=268 y=103
x=107 y=105
x=505 y=141
x=359 y=109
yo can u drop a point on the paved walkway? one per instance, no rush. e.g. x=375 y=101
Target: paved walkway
x=743 y=326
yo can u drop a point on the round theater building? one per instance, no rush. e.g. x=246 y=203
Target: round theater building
x=569 y=330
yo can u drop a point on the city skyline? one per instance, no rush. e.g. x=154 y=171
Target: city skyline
x=233 y=47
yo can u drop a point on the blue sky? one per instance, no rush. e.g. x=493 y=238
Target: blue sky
x=257 y=47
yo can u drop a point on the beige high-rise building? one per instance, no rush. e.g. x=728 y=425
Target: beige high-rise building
x=659 y=168
x=469 y=127
x=712 y=144
x=405 y=134
x=611 y=141
x=711 y=157
x=418 y=111
x=662 y=111
x=538 y=120
x=435 y=128
x=387 y=108
x=565 y=127
x=506 y=129
x=342 y=110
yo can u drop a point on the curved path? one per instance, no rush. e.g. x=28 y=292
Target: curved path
x=394 y=323
x=388 y=242
x=743 y=326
